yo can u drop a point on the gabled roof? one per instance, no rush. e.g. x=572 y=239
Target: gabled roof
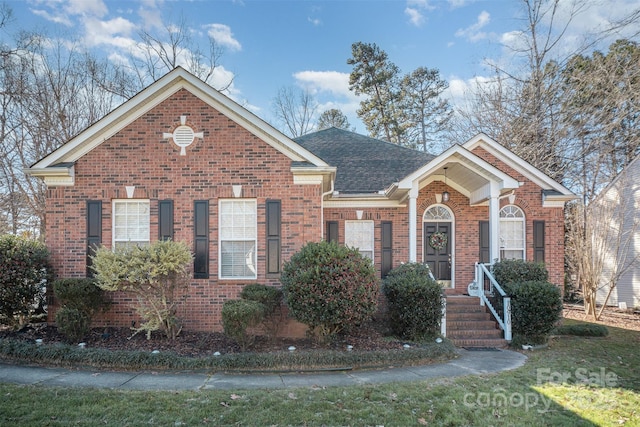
x=552 y=189
x=365 y=165
x=150 y=97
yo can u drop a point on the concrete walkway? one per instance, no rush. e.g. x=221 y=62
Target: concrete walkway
x=468 y=363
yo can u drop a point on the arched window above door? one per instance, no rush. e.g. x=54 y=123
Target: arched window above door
x=437 y=213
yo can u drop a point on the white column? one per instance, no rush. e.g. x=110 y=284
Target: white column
x=413 y=196
x=494 y=223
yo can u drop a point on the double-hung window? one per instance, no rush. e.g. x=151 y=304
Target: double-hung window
x=359 y=235
x=512 y=233
x=130 y=223
x=238 y=231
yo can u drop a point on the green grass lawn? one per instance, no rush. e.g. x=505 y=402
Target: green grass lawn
x=575 y=381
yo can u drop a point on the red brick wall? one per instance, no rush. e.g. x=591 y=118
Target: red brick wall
x=139 y=156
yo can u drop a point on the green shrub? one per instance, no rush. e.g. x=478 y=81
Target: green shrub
x=517 y=270
x=271 y=298
x=414 y=301
x=156 y=275
x=536 y=307
x=329 y=288
x=80 y=293
x=73 y=323
x=239 y=315
x=23 y=276
x=582 y=330
x=80 y=299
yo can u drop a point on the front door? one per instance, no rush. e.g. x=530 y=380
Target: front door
x=437 y=250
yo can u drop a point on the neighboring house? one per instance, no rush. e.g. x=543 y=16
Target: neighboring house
x=182 y=161
x=616 y=231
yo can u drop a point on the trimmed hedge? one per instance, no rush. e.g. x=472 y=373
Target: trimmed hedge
x=272 y=299
x=238 y=315
x=536 y=307
x=582 y=330
x=330 y=288
x=517 y=270
x=80 y=299
x=24 y=273
x=414 y=301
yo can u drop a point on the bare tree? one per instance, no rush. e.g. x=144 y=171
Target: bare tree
x=295 y=111
x=602 y=241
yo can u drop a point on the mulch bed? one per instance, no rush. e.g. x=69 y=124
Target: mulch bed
x=199 y=344
x=614 y=317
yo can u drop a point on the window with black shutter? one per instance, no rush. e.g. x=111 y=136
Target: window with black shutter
x=94 y=231
x=485 y=245
x=538 y=241
x=332 y=231
x=274 y=227
x=201 y=239
x=165 y=220
x=387 y=248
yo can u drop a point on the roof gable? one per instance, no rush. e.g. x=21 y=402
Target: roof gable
x=152 y=96
x=512 y=160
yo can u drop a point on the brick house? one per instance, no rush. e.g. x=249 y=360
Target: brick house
x=180 y=160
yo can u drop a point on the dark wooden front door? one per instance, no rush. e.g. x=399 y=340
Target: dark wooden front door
x=438 y=260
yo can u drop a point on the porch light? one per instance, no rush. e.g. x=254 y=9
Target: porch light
x=445 y=193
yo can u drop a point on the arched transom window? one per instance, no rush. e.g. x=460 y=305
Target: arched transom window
x=437 y=213
x=512 y=233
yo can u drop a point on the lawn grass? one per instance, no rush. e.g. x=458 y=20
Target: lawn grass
x=576 y=381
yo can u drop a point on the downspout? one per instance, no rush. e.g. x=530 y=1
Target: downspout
x=322 y=209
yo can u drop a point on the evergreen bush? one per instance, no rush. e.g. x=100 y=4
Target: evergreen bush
x=80 y=299
x=24 y=271
x=240 y=315
x=73 y=323
x=517 y=270
x=414 y=301
x=330 y=288
x=156 y=275
x=271 y=298
x=536 y=307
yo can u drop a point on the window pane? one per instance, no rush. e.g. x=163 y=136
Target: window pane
x=238 y=259
x=131 y=222
x=359 y=235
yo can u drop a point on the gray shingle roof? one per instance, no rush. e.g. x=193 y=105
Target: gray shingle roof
x=364 y=165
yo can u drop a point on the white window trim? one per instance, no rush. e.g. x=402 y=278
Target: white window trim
x=373 y=239
x=114 y=202
x=522 y=220
x=220 y=240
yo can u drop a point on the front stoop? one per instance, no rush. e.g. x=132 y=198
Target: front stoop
x=470 y=325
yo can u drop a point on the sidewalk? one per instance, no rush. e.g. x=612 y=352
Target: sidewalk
x=468 y=363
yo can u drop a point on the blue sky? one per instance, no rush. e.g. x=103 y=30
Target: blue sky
x=270 y=44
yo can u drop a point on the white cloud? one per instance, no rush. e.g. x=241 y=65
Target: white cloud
x=222 y=34
x=415 y=16
x=87 y=7
x=472 y=32
x=456 y=4
x=57 y=18
x=333 y=82
x=415 y=11
x=316 y=22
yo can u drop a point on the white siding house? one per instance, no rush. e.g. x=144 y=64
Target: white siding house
x=618 y=231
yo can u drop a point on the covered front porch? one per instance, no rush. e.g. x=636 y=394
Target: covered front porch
x=454 y=205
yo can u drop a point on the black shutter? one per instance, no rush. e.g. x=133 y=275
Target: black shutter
x=538 y=241
x=387 y=248
x=94 y=231
x=273 y=208
x=201 y=239
x=165 y=220
x=332 y=231
x=485 y=244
